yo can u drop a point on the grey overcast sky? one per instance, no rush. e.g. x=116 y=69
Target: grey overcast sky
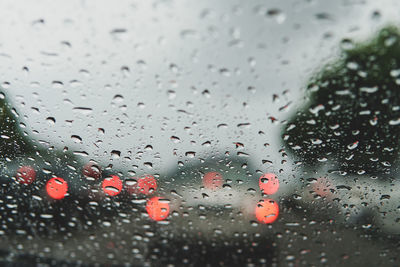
x=145 y=71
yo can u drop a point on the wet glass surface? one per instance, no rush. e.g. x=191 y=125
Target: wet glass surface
x=199 y=133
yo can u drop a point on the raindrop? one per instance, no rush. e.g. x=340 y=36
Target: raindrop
x=206 y=93
x=207 y=143
x=57 y=84
x=5 y=85
x=225 y=72
x=46 y=216
x=175 y=139
x=51 y=120
x=119 y=33
x=115 y=154
x=376 y=15
x=83 y=110
x=277 y=14
x=118 y=98
x=81 y=153
x=171 y=94
x=125 y=71
x=76 y=138
x=353 y=145
x=394 y=122
x=148 y=165
x=189 y=33
x=190 y=154
x=244 y=125
x=323 y=16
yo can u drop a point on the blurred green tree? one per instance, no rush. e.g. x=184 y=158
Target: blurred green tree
x=351 y=120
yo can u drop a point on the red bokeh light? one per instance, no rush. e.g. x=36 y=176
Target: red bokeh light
x=267 y=211
x=213 y=180
x=268 y=183
x=144 y=185
x=57 y=188
x=157 y=210
x=112 y=186
x=92 y=170
x=26 y=175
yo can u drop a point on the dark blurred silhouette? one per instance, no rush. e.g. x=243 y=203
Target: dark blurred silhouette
x=351 y=120
x=14 y=142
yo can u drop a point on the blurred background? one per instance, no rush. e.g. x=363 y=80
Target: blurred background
x=178 y=89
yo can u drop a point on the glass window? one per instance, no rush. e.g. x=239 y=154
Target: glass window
x=199 y=133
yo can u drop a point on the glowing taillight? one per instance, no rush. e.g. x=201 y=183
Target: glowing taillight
x=57 y=188
x=112 y=185
x=144 y=185
x=267 y=211
x=157 y=209
x=268 y=183
x=26 y=175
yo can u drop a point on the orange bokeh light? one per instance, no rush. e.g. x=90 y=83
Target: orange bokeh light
x=267 y=211
x=57 y=188
x=268 y=183
x=112 y=185
x=157 y=209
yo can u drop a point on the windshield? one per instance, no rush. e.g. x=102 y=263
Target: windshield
x=199 y=133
